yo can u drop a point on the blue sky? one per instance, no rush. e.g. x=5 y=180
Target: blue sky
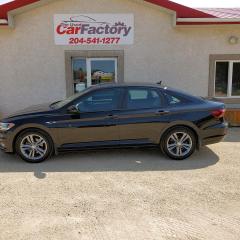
x=197 y=3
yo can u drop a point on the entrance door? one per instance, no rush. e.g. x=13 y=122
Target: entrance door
x=92 y=71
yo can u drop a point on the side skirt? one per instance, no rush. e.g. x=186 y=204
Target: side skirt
x=106 y=145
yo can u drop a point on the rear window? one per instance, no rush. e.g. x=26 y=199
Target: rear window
x=174 y=99
x=143 y=98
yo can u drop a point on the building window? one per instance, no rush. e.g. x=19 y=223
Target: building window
x=227 y=79
x=92 y=71
x=87 y=68
x=224 y=78
x=236 y=79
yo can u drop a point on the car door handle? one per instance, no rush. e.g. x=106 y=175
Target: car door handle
x=112 y=116
x=162 y=112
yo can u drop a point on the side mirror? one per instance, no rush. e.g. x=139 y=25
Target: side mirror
x=73 y=109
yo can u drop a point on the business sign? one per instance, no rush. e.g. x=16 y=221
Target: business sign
x=94 y=29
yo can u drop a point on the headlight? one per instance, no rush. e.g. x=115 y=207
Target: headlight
x=6 y=126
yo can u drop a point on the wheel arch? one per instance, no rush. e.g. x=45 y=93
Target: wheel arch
x=29 y=129
x=190 y=127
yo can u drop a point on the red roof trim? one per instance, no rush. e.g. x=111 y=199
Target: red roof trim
x=207 y=23
x=7 y=7
x=181 y=11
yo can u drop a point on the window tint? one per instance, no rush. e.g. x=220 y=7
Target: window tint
x=138 y=98
x=173 y=99
x=102 y=100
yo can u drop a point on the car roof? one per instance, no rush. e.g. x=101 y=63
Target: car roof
x=135 y=84
x=154 y=85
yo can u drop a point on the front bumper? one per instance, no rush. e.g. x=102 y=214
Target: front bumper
x=214 y=134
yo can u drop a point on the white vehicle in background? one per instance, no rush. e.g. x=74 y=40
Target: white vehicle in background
x=100 y=75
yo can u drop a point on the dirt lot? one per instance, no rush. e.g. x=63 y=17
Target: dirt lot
x=123 y=194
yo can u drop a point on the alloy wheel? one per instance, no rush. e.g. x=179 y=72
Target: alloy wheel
x=179 y=144
x=34 y=147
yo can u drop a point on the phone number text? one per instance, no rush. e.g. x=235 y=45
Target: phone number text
x=107 y=40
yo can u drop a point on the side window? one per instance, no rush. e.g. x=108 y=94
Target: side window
x=100 y=101
x=141 y=98
x=173 y=99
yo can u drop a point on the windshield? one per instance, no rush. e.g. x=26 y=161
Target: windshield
x=66 y=101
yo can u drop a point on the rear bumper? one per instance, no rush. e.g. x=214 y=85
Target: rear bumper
x=214 y=134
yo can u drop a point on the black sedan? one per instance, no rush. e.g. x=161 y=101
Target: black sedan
x=115 y=116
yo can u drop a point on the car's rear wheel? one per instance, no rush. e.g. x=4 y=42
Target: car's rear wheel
x=34 y=146
x=179 y=143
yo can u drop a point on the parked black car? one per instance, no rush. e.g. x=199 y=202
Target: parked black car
x=115 y=115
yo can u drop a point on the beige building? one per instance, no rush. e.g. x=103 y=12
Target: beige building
x=51 y=49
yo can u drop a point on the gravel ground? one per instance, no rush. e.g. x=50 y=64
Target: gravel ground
x=123 y=194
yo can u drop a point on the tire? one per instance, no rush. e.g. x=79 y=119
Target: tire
x=34 y=146
x=179 y=143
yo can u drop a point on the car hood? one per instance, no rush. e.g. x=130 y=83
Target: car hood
x=32 y=110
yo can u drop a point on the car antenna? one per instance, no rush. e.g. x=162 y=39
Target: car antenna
x=159 y=83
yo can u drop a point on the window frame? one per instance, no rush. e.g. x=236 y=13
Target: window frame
x=125 y=98
x=212 y=75
x=97 y=54
x=88 y=62
x=230 y=78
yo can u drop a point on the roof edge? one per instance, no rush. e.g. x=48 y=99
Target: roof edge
x=181 y=10
x=182 y=15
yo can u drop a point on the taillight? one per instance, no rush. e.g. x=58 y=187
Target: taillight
x=219 y=113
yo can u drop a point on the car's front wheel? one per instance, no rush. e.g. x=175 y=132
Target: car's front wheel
x=34 y=146
x=179 y=143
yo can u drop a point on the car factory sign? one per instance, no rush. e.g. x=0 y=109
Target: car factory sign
x=94 y=29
